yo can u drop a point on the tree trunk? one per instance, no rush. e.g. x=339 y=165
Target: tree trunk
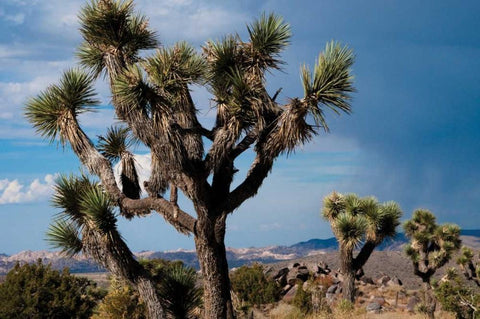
x=348 y=271
x=147 y=292
x=210 y=246
x=429 y=300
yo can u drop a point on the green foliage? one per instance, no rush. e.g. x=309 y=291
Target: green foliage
x=356 y=219
x=457 y=297
x=344 y=306
x=115 y=142
x=109 y=26
x=36 y=291
x=176 y=286
x=83 y=204
x=303 y=299
x=252 y=286
x=435 y=242
x=61 y=103
x=121 y=302
x=331 y=82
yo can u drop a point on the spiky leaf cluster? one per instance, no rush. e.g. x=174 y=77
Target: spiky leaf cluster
x=112 y=28
x=236 y=69
x=83 y=205
x=116 y=142
x=431 y=245
x=356 y=219
x=331 y=82
x=61 y=103
x=470 y=267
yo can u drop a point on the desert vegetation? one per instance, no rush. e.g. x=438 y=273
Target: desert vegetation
x=151 y=97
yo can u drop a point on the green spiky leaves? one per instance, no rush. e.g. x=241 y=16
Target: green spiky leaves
x=60 y=103
x=98 y=208
x=173 y=68
x=112 y=28
x=83 y=204
x=65 y=235
x=431 y=245
x=116 y=142
x=269 y=36
x=377 y=221
x=350 y=229
x=331 y=84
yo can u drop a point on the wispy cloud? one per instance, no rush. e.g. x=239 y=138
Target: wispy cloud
x=13 y=192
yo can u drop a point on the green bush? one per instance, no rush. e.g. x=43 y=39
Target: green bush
x=176 y=285
x=37 y=291
x=121 y=302
x=252 y=286
x=455 y=295
x=303 y=299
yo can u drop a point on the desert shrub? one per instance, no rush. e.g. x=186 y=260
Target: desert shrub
x=121 y=302
x=344 y=306
x=175 y=285
x=456 y=296
x=303 y=299
x=38 y=291
x=253 y=287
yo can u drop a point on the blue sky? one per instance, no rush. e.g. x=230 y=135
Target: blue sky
x=413 y=137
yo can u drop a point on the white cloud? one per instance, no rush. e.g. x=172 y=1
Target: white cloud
x=14 y=192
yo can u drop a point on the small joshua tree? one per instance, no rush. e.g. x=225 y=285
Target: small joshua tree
x=471 y=269
x=431 y=247
x=355 y=221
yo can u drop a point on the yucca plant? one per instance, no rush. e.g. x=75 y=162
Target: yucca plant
x=151 y=97
x=87 y=223
x=469 y=266
x=430 y=248
x=358 y=224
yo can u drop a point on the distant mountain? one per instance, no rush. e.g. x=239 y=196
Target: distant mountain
x=236 y=256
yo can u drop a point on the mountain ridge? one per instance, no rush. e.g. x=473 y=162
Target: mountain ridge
x=236 y=256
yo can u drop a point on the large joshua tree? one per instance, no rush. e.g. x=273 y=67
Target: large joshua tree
x=358 y=223
x=430 y=247
x=151 y=97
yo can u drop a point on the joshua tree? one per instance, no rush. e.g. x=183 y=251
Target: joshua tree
x=87 y=223
x=431 y=247
x=471 y=270
x=358 y=223
x=151 y=97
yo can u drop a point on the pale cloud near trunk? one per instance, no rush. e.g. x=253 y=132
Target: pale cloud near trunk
x=13 y=192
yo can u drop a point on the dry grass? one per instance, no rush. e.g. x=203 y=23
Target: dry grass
x=287 y=311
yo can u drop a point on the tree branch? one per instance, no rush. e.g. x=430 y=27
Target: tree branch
x=97 y=164
x=363 y=255
x=244 y=144
x=181 y=220
x=249 y=187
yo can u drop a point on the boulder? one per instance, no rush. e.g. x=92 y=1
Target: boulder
x=303 y=273
x=332 y=289
x=374 y=307
x=290 y=294
x=281 y=273
x=322 y=268
x=382 y=281
x=379 y=300
x=367 y=280
x=394 y=282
